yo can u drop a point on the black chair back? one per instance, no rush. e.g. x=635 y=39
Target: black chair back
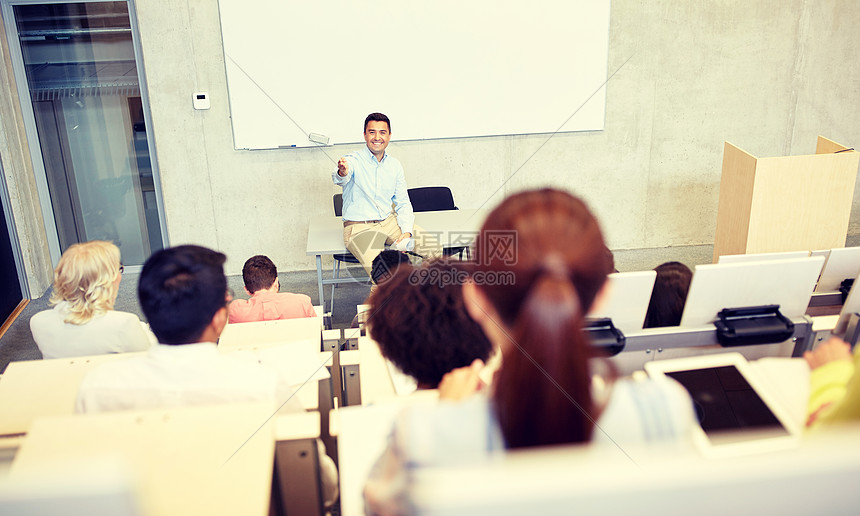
x=431 y=198
x=338 y=205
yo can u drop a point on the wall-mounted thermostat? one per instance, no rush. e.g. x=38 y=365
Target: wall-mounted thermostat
x=201 y=100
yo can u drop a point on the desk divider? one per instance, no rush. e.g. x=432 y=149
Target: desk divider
x=841 y=264
x=676 y=341
x=787 y=283
x=296 y=487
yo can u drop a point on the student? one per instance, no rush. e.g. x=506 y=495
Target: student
x=372 y=182
x=441 y=336
x=669 y=295
x=530 y=294
x=266 y=303
x=386 y=264
x=83 y=321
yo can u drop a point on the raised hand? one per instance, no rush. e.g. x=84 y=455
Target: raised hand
x=342 y=167
x=829 y=351
x=461 y=382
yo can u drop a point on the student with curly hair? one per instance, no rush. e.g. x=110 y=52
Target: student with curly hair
x=83 y=321
x=429 y=302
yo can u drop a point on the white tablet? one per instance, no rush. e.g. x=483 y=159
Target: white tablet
x=737 y=414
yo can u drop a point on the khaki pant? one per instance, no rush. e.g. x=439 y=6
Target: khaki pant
x=366 y=241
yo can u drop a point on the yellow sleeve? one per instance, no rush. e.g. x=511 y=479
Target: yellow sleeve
x=830 y=386
x=848 y=407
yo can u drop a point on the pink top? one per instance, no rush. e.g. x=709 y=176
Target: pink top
x=270 y=306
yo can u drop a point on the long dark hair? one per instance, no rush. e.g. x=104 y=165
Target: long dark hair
x=669 y=295
x=552 y=245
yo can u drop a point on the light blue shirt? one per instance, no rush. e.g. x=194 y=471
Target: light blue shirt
x=370 y=187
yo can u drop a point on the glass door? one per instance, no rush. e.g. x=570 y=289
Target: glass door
x=12 y=294
x=84 y=91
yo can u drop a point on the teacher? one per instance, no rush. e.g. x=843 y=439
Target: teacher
x=376 y=206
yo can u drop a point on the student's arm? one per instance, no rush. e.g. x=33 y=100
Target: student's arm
x=236 y=311
x=848 y=407
x=832 y=369
x=308 y=307
x=153 y=340
x=328 y=476
x=134 y=334
x=462 y=382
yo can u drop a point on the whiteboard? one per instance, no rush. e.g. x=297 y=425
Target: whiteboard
x=437 y=68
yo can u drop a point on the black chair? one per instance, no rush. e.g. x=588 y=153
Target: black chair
x=431 y=198
x=339 y=258
x=436 y=198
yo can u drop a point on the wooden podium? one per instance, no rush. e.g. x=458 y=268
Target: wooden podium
x=791 y=203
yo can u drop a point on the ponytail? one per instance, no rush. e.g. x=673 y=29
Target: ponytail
x=552 y=245
x=543 y=390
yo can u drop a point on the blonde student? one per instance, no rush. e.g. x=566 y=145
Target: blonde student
x=83 y=321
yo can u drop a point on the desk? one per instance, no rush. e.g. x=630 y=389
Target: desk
x=554 y=481
x=288 y=346
x=32 y=389
x=199 y=460
x=362 y=435
x=455 y=228
x=36 y=388
x=303 y=331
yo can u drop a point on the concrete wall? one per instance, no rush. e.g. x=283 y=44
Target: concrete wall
x=768 y=76
x=20 y=182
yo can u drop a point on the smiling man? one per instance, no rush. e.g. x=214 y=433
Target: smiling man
x=376 y=207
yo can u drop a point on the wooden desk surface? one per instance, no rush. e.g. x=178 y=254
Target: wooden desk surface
x=290 y=346
x=271 y=333
x=34 y=388
x=376 y=384
x=302 y=425
x=362 y=437
x=201 y=460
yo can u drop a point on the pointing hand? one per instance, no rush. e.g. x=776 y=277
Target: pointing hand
x=342 y=167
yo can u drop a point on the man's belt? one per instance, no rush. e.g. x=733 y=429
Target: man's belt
x=352 y=222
